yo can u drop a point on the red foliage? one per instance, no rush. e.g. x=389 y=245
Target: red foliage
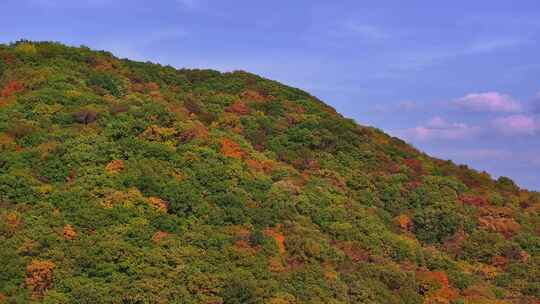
x=353 y=252
x=11 y=88
x=7 y=57
x=506 y=226
x=278 y=237
x=239 y=107
x=230 y=148
x=264 y=166
x=415 y=165
x=499 y=261
x=474 y=200
x=159 y=236
x=250 y=95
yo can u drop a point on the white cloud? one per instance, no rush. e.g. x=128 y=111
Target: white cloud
x=488 y=102
x=437 y=128
x=517 y=125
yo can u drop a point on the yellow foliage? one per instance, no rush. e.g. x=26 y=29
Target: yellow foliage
x=26 y=48
x=282 y=298
x=122 y=197
x=157 y=133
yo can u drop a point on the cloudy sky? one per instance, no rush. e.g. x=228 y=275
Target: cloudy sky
x=458 y=79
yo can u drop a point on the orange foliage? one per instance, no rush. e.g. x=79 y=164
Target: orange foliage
x=479 y=293
x=159 y=236
x=404 y=222
x=160 y=204
x=11 y=88
x=115 y=166
x=230 y=148
x=278 y=237
x=499 y=261
x=257 y=165
x=69 y=232
x=329 y=272
x=250 y=95
x=239 y=107
x=6 y=141
x=145 y=87
x=438 y=287
x=103 y=64
x=275 y=264
x=524 y=256
x=506 y=226
x=244 y=246
x=39 y=277
x=454 y=244
x=3 y=298
x=152 y=86
x=13 y=221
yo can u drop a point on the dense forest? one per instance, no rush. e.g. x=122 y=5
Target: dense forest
x=131 y=182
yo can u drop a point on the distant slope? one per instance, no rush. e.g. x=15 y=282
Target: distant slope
x=129 y=182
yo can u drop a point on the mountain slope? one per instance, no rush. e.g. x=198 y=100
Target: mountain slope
x=129 y=182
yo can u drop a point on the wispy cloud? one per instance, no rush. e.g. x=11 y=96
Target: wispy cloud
x=496 y=44
x=536 y=103
x=481 y=154
x=517 y=125
x=488 y=102
x=438 y=128
x=189 y=4
x=401 y=106
x=366 y=30
x=421 y=58
x=71 y=4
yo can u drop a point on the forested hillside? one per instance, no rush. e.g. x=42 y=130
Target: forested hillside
x=130 y=182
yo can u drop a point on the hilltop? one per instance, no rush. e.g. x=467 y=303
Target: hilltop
x=131 y=182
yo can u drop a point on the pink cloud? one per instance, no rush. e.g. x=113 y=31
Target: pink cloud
x=488 y=102
x=517 y=125
x=438 y=128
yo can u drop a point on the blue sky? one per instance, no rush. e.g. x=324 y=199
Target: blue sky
x=458 y=79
